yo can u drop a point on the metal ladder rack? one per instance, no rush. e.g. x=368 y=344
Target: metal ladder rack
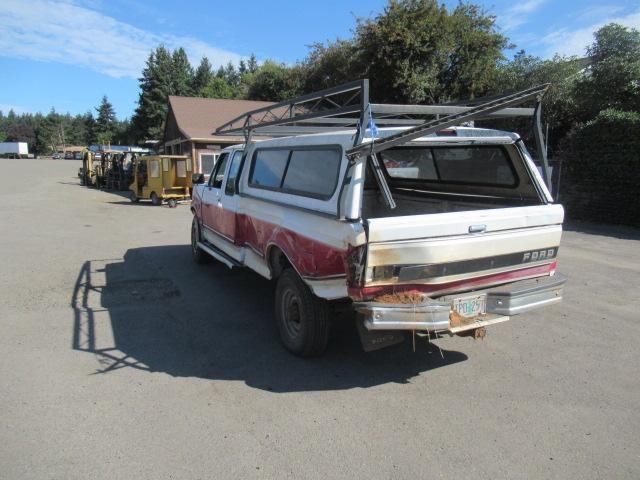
x=347 y=107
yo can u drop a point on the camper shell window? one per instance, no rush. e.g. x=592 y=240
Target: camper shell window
x=306 y=171
x=465 y=165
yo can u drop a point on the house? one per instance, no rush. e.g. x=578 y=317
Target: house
x=191 y=122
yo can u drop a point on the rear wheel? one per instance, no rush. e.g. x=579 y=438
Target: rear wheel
x=198 y=255
x=133 y=197
x=302 y=318
x=155 y=200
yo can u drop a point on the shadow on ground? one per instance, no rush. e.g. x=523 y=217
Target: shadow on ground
x=160 y=312
x=622 y=232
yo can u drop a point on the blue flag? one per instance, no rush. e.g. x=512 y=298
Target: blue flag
x=372 y=126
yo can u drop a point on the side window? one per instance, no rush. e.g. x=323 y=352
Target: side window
x=230 y=188
x=154 y=168
x=207 y=161
x=218 y=175
x=181 y=168
x=268 y=168
x=313 y=173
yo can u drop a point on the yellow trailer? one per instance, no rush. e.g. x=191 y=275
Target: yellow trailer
x=162 y=178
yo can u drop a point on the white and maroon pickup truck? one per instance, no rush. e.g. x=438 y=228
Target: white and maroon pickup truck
x=474 y=234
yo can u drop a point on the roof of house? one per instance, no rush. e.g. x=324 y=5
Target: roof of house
x=198 y=117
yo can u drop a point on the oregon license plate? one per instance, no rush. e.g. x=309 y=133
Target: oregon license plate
x=470 y=306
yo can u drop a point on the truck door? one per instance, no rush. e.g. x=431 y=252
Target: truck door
x=226 y=221
x=211 y=197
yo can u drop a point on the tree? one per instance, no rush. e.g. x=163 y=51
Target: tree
x=416 y=51
x=612 y=79
x=181 y=73
x=165 y=74
x=273 y=82
x=202 y=78
x=252 y=64
x=218 y=88
x=155 y=88
x=332 y=64
x=105 y=122
x=558 y=107
x=21 y=132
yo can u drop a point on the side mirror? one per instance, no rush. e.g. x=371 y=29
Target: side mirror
x=197 y=178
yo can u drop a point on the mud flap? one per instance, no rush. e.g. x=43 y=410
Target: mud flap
x=376 y=339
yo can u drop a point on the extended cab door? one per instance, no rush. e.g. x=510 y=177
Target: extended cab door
x=211 y=201
x=228 y=205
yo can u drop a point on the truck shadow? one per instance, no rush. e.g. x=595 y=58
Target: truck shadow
x=157 y=311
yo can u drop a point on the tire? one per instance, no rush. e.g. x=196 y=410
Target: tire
x=155 y=200
x=133 y=197
x=302 y=318
x=198 y=255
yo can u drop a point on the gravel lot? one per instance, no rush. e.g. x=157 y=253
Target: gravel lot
x=123 y=359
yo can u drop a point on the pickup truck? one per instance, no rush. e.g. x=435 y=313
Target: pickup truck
x=472 y=241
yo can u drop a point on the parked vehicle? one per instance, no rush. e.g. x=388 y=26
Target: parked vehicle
x=87 y=173
x=56 y=156
x=14 y=149
x=161 y=178
x=431 y=228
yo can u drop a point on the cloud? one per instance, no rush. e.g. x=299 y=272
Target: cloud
x=575 y=42
x=5 y=108
x=516 y=15
x=60 y=31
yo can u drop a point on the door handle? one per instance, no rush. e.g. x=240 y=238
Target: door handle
x=477 y=228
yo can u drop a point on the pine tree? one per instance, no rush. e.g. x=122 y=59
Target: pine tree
x=155 y=87
x=106 y=121
x=242 y=68
x=181 y=73
x=252 y=64
x=202 y=78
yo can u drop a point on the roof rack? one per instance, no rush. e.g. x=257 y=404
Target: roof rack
x=347 y=106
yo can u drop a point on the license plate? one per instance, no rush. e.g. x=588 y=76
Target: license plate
x=470 y=306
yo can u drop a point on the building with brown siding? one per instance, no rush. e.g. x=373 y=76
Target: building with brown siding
x=191 y=122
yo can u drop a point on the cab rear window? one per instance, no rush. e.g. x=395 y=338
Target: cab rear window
x=480 y=165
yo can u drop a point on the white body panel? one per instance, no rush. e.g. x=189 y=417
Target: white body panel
x=20 y=148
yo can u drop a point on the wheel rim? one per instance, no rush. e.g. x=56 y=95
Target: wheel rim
x=291 y=313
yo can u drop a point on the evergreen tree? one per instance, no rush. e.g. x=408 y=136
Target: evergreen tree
x=164 y=74
x=105 y=122
x=181 y=73
x=252 y=64
x=242 y=68
x=155 y=87
x=231 y=75
x=202 y=78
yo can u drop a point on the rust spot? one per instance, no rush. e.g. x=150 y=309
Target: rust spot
x=476 y=333
x=402 y=297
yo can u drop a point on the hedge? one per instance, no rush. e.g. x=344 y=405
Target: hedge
x=601 y=162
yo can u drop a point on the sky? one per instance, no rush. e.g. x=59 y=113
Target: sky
x=67 y=54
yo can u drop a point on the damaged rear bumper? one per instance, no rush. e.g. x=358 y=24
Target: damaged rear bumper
x=434 y=314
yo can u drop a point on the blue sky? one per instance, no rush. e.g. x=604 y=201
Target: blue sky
x=66 y=54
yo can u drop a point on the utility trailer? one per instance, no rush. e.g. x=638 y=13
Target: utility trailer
x=418 y=224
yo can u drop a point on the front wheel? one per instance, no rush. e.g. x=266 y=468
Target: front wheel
x=133 y=197
x=302 y=318
x=155 y=200
x=198 y=255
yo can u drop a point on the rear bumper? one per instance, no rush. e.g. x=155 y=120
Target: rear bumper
x=434 y=315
